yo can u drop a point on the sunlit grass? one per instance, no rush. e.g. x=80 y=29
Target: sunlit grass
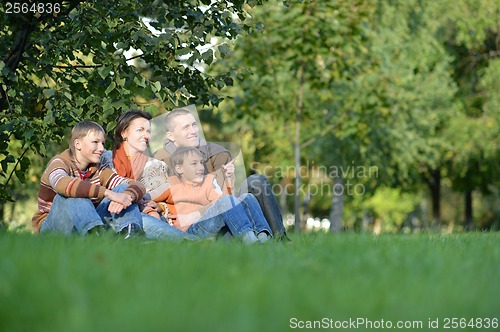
x=52 y=283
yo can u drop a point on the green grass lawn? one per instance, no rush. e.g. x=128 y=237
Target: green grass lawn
x=52 y=283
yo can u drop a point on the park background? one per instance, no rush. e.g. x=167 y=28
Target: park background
x=397 y=100
x=377 y=116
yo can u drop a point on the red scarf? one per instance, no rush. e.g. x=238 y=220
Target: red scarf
x=129 y=167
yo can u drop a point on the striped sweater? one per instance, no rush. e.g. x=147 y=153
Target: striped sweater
x=63 y=177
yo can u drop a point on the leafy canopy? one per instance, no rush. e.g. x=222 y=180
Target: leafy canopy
x=95 y=59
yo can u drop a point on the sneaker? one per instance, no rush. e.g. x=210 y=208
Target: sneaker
x=131 y=230
x=284 y=238
x=263 y=237
x=97 y=230
x=249 y=238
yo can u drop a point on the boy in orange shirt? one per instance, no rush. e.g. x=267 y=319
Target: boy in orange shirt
x=198 y=206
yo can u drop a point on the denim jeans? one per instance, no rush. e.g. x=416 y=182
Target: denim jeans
x=159 y=229
x=239 y=216
x=71 y=214
x=258 y=186
x=254 y=212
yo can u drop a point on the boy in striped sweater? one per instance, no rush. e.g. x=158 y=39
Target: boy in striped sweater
x=78 y=195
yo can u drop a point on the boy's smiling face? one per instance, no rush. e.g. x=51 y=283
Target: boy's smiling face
x=89 y=149
x=192 y=169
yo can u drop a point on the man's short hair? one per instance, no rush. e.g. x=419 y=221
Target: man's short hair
x=170 y=116
x=80 y=130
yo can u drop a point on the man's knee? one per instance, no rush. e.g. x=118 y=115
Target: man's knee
x=258 y=185
x=248 y=197
x=227 y=200
x=256 y=180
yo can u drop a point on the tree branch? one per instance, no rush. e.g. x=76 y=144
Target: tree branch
x=17 y=163
x=92 y=66
x=76 y=66
x=313 y=139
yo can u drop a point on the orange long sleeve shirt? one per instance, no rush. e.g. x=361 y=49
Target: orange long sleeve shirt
x=184 y=198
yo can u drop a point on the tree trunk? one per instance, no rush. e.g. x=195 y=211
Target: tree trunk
x=15 y=55
x=337 y=208
x=282 y=197
x=469 y=221
x=3 y=224
x=365 y=222
x=298 y=218
x=297 y=150
x=435 y=188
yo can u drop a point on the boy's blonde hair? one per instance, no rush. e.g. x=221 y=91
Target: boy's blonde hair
x=180 y=155
x=80 y=130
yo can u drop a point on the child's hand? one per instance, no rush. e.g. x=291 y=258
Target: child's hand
x=151 y=208
x=122 y=198
x=115 y=207
x=154 y=214
x=229 y=168
x=187 y=219
x=119 y=201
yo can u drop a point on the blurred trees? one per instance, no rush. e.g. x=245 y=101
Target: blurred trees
x=474 y=42
x=410 y=87
x=294 y=63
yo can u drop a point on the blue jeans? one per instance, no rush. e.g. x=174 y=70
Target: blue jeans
x=258 y=186
x=240 y=216
x=255 y=213
x=69 y=214
x=158 y=229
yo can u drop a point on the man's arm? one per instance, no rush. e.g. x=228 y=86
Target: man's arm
x=215 y=167
x=163 y=155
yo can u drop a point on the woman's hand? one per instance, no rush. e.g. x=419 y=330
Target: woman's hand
x=151 y=204
x=151 y=208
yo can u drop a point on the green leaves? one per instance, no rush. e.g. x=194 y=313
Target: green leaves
x=140 y=81
x=156 y=86
x=75 y=67
x=110 y=88
x=223 y=49
x=104 y=71
x=48 y=93
x=5 y=163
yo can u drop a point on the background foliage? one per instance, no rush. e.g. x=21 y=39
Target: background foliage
x=405 y=86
